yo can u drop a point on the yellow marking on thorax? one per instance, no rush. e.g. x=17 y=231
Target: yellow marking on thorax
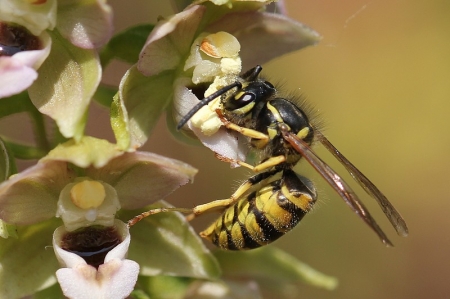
x=275 y=113
x=272 y=133
x=303 y=133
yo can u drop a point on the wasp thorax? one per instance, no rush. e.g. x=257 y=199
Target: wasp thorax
x=15 y=39
x=91 y=243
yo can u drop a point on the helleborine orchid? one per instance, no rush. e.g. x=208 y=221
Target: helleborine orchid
x=85 y=185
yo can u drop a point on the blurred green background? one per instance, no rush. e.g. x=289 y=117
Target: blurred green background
x=380 y=79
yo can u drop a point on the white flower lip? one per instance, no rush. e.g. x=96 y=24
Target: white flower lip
x=115 y=278
x=18 y=72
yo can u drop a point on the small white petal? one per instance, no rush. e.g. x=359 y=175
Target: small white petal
x=14 y=77
x=18 y=72
x=113 y=279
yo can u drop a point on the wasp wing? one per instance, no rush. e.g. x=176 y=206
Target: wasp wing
x=391 y=213
x=335 y=181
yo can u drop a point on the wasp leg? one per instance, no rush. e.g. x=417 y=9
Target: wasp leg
x=269 y=163
x=145 y=214
x=242 y=130
x=224 y=203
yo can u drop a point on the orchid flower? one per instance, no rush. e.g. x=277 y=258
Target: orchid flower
x=75 y=193
x=46 y=46
x=208 y=43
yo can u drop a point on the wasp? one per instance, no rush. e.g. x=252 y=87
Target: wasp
x=276 y=198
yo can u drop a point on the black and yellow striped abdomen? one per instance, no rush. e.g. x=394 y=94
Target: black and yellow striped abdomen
x=264 y=215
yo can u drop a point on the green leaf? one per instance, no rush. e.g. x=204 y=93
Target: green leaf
x=138 y=294
x=7 y=163
x=66 y=83
x=28 y=264
x=127 y=44
x=273 y=268
x=163 y=287
x=104 y=95
x=52 y=292
x=140 y=103
x=119 y=123
x=165 y=244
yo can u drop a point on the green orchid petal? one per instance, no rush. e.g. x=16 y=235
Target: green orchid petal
x=120 y=123
x=27 y=265
x=137 y=109
x=87 y=24
x=272 y=268
x=141 y=178
x=165 y=244
x=36 y=16
x=265 y=36
x=170 y=42
x=31 y=195
x=67 y=80
x=88 y=151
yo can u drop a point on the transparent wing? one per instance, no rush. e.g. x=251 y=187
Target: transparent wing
x=335 y=181
x=391 y=213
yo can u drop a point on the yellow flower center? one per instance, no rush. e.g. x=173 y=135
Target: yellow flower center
x=87 y=194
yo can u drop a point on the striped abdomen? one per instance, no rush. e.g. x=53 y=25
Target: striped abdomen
x=264 y=215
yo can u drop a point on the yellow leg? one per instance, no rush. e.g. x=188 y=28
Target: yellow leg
x=272 y=161
x=244 y=131
x=143 y=215
x=210 y=206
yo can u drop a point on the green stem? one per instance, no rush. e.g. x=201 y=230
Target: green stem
x=15 y=104
x=40 y=133
x=25 y=152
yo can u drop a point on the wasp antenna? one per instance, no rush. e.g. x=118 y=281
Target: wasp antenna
x=252 y=74
x=205 y=101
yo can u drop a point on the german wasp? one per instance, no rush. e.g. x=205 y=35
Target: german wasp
x=275 y=199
